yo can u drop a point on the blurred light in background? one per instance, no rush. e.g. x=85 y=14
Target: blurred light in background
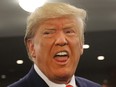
x=86 y=46
x=3 y=76
x=100 y=57
x=30 y=5
x=19 y=61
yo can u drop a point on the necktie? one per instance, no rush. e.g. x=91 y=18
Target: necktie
x=69 y=86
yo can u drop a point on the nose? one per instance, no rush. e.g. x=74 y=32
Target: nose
x=61 y=40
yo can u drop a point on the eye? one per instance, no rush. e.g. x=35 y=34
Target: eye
x=69 y=31
x=48 y=32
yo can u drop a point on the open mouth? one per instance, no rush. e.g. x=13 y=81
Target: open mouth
x=61 y=56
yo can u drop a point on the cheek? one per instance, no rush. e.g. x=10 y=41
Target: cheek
x=76 y=48
x=76 y=44
x=76 y=53
x=42 y=50
x=40 y=59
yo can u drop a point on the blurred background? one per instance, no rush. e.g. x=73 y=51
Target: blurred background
x=98 y=63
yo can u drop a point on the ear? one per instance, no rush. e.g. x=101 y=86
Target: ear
x=30 y=46
x=81 y=48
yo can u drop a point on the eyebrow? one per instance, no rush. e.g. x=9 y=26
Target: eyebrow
x=49 y=29
x=68 y=25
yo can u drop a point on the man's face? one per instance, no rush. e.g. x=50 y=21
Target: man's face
x=56 y=48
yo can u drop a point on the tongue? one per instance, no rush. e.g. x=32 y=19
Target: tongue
x=61 y=58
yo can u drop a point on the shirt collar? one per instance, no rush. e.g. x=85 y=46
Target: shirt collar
x=50 y=83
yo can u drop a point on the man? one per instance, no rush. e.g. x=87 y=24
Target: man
x=54 y=39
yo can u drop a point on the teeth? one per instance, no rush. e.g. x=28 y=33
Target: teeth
x=62 y=53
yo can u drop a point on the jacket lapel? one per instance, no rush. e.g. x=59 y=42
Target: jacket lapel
x=34 y=80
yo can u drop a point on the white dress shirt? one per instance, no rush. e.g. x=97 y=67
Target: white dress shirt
x=50 y=83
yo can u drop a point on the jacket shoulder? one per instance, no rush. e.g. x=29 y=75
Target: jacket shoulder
x=31 y=79
x=82 y=82
x=20 y=83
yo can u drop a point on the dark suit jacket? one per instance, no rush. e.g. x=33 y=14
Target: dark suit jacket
x=32 y=79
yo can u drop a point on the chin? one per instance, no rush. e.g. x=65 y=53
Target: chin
x=62 y=79
x=64 y=75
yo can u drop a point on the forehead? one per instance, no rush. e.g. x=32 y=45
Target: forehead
x=61 y=21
